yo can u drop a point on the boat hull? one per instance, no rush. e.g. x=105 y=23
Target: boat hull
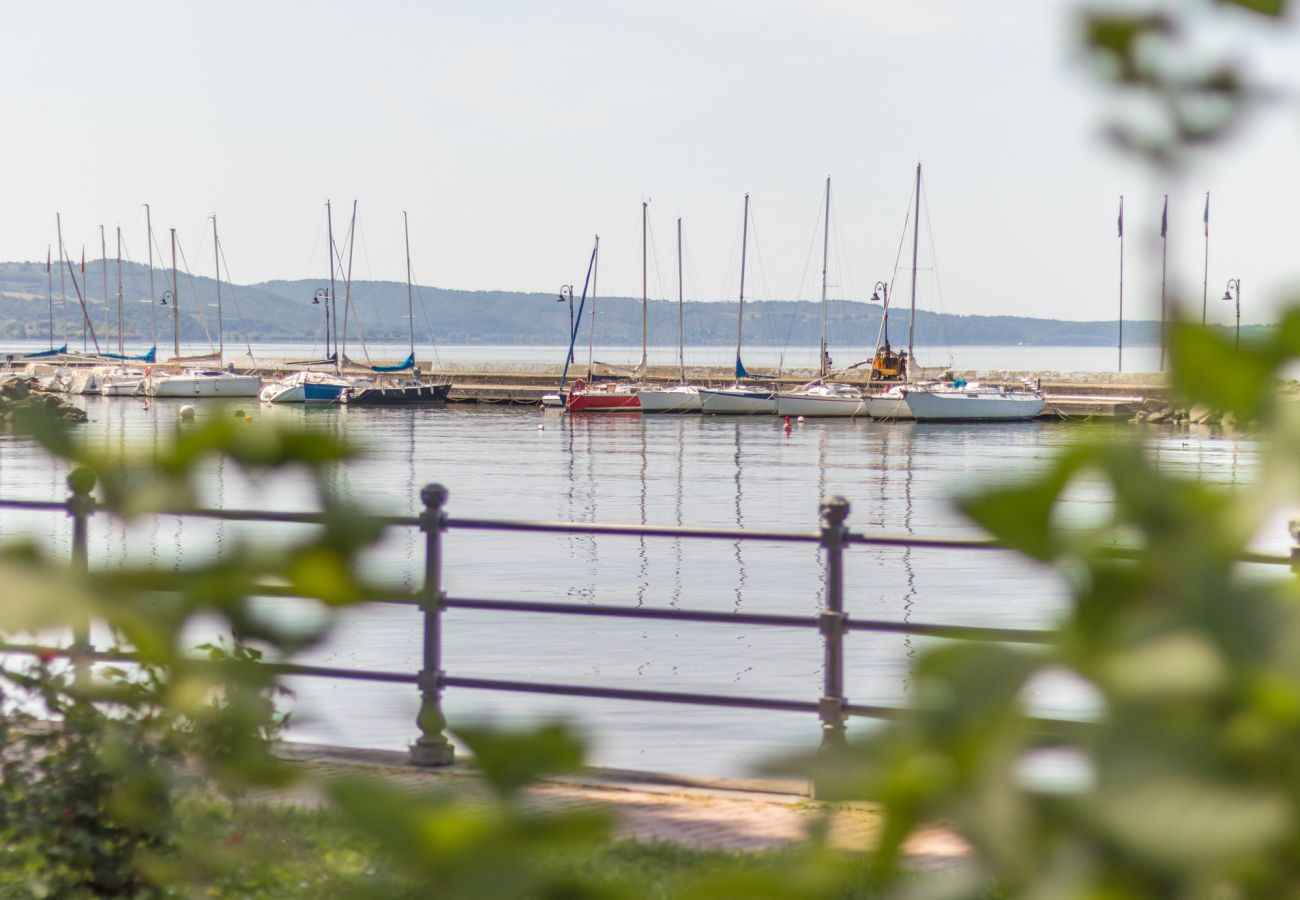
x=794 y=404
x=974 y=406
x=121 y=388
x=670 y=400
x=218 y=385
x=311 y=392
x=614 y=401
x=738 y=402
x=401 y=395
x=888 y=407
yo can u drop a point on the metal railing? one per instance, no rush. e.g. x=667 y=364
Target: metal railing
x=432 y=747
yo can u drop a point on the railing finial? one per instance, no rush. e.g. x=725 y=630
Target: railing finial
x=434 y=496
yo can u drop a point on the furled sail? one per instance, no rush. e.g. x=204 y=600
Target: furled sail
x=408 y=363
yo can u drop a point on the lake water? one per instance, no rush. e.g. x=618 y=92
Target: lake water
x=711 y=471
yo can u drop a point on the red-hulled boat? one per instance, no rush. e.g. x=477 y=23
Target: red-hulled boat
x=612 y=396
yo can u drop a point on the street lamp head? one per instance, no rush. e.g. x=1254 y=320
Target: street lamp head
x=163 y=299
x=1227 y=295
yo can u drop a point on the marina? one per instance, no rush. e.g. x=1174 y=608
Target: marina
x=703 y=471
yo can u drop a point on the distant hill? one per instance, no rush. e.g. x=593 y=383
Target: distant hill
x=283 y=311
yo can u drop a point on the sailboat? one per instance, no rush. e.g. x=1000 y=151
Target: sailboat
x=820 y=398
x=957 y=401
x=199 y=382
x=395 y=391
x=680 y=397
x=613 y=396
x=738 y=399
x=890 y=401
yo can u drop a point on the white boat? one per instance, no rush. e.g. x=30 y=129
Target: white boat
x=683 y=397
x=888 y=404
x=121 y=382
x=678 y=398
x=821 y=398
x=200 y=383
x=962 y=402
x=738 y=401
x=553 y=401
x=306 y=387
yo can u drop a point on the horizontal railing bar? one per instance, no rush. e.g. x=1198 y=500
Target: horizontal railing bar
x=630 y=612
x=255 y=515
x=954 y=632
x=353 y=674
x=575 y=690
x=44 y=505
x=922 y=543
x=680 y=531
x=372 y=594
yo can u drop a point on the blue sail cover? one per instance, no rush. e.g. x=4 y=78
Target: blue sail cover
x=59 y=351
x=150 y=357
x=409 y=363
x=742 y=374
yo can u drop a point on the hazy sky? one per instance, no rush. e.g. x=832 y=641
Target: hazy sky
x=514 y=131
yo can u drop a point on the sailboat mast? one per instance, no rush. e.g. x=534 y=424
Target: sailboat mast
x=740 y=312
x=103 y=264
x=681 y=314
x=644 y=292
x=916 y=243
x=120 y=342
x=176 y=303
x=49 y=277
x=826 y=249
x=410 y=304
x=216 y=259
x=1164 y=261
x=332 y=307
x=63 y=288
x=347 y=288
x=591 y=338
x=153 y=298
x=1121 y=284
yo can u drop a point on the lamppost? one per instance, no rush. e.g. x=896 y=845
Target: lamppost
x=566 y=293
x=323 y=295
x=1234 y=287
x=882 y=287
x=165 y=295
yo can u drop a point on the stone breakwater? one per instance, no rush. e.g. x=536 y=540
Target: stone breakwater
x=17 y=394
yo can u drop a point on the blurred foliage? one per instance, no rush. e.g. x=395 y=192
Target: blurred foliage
x=1174 y=94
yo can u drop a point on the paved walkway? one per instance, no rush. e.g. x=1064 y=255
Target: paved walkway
x=698 y=813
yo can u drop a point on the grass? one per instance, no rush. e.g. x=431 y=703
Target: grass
x=275 y=851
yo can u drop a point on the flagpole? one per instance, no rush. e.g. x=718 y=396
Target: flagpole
x=1205 y=285
x=1164 y=258
x=1121 y=282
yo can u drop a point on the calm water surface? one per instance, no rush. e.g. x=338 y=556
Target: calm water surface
x=720 y=471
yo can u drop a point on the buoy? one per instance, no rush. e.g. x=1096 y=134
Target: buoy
x=801 y=419
x=187 y=412
x=541 y=427
x=240 y=414
x=787 y=424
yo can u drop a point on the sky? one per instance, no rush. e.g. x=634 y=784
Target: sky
x=513 y=132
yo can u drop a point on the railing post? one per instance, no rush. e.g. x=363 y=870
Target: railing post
x=432 y=748
x=1293 y=526
x=81 y=482
x=834 y=510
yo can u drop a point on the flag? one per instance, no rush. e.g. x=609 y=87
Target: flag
x=1164 y=218
x=1206 y=218
x=1121 y=215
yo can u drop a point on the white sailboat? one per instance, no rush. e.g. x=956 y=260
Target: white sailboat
x=891 y=402
x=739 y=399
x=680 y=397
x=199 y=382
x=962 y=402
x=820 y=398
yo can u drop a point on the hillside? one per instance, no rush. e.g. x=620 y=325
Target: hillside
x=283 y=311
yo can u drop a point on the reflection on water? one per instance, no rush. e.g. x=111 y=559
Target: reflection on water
x=702 y=471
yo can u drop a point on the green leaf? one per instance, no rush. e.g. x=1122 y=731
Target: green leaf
x=510 y=760
x=1272 y=8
